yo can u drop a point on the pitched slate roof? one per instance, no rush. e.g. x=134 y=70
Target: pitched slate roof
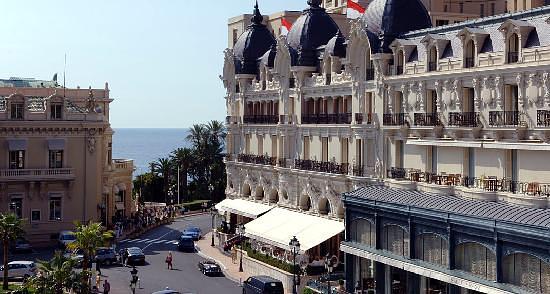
x=450 y=204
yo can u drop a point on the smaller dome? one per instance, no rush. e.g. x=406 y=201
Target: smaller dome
x=268 y=59
x=252 y=45
x=337 y=45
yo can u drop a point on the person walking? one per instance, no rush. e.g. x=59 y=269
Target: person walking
x=169 y=260
x=233 y=254
x=98 y=267
x=106 y=287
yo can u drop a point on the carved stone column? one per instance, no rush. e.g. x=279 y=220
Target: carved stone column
x=520 y=81
x=477 y=94
x=389 y=97
x=458 y=92
x=499 y=89
x=405 y=97
x=422 y=96
x=546 y=85
x=438 y=93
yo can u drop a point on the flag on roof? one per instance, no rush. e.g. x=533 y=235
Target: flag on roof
x=285 y=26
x=354 y=9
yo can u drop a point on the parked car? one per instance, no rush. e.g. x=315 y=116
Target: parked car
x=20 y=269
x=133 y=255
x=262 y=285
x=210 y=268
x=21 y=246
x=65 y=238
x=105 y=256
x=186 y=243
x=194 y=232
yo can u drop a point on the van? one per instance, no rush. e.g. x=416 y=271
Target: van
x=261 y=285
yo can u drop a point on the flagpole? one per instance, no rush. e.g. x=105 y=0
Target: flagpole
x=64 y=74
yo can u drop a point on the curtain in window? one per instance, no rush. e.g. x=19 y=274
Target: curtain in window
x=433 y=249
x=527 y=271
x=362 y=231
x=476 y=259
x=396 y=240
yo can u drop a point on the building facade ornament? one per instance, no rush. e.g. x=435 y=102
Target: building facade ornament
x=477 y=93
x=520 y=81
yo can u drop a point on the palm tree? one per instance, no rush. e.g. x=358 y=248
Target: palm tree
x=164 y=167
x=11 y=228
x=88 y=238
x=55 y=275
x=217 y=132
x=197 y=135
x=183 y=157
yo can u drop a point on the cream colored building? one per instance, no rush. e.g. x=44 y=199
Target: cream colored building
x=57 y=164
x=460 y=110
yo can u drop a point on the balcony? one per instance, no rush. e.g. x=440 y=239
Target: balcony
x=394 y=119
x=513 y=57
x=432 y=66
x=468 y=62
x=543 y=118
x=52 y=174
x=370 y=74
x=426 y=119
x=257 y=159
x=320 y=166
x=464 y=119
x=358 y=170
x=504 y=118
x=363 y=118
x=332 y=118
x=261 y=119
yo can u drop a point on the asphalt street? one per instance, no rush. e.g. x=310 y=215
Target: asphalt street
x=154 y=275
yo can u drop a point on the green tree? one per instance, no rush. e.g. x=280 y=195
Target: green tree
x=87 y=239
x=11 y=228
x=184 y=158
x=164 y=168
x=55 y=275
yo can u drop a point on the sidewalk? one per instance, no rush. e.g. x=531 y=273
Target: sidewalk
x=231 y=270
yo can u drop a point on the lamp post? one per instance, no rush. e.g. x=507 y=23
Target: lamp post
x=328 y=265
x=213 y=212
x=295 y=246
x=134 y=280
x=240 y=229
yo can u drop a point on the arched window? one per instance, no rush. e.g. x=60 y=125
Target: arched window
x=526 y=271
x=400 y=62
x=396 y=240
x=305 y=202
x=324 y=206
x=363 y=231
x=274 y=196
x=476 y=259
x=246 y=190
x=513 y=48
x=259 y=193
x=469 y=54
x=432 y=248
x=432 y=59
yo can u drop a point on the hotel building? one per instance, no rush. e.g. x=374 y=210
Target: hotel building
x=442 y=133
x=56 y=165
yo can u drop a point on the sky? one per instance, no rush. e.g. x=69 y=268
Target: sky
x=161 y=58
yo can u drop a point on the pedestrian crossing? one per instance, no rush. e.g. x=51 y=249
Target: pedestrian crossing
x=148 y=241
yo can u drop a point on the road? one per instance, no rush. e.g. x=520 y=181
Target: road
x=154 y=276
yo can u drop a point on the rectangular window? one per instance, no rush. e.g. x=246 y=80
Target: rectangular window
x=17 y=110
x=235 y=36
x=441 y=22
x=35 y=215
x=55 y=208
x=119 y=197
x=492 y=8
x=17 y=159
x=56 y=158
x=247 y=144
x=461 y=5
x=306 y=148
x=56 y=111
x=260 y=145
x=345 y=151
x=324 y=149
x=274 y=146
x=16 y=207
x=481 y=10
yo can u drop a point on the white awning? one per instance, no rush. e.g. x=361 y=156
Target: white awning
x=448 y=143
x=279 y=225
x=17 y=144
x=221 y=207
x=517 y=146
x=56 y=144
x=243 y=207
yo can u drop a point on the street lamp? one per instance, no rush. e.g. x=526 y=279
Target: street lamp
x=134 y=281
x=213 y=212
x=329 y=266
x=240 y=231
x=295 y=246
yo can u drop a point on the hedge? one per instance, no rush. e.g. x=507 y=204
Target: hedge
x=285 y=266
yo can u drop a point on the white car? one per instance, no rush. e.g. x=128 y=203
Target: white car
x=65 y=238
x=20 y=269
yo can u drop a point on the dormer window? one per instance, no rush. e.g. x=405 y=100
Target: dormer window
x=56 y=111
x=403 y=49
x=513 y=48
x=432 y=59
x=17 y=109
x=400 y=61
x=470 y=54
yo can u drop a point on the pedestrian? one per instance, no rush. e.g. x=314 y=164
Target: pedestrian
x=233 y=254
x=97 y=282
x=169 y=260
x=106 y=287
x=98 y=267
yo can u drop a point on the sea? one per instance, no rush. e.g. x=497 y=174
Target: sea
x=147 y=145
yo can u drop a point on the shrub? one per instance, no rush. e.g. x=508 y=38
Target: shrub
x=282 y=265
x=308 y=291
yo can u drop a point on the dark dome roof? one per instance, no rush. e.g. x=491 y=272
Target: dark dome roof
x=391 y=18
x=269 y=57
x=314 y=28
x=252 y=45
x=337 y=45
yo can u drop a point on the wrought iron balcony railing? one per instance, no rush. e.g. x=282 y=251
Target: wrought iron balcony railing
x=427 y=119
x=320 y=166
x=394 y=119
x=543 y=118
x=503 y=118
x=464 y=119
x=261 y=119
x=363 y=118
x=332 y=118
x=257 y=159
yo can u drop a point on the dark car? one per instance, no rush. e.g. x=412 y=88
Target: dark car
x=133 y=255
x=194 y=232
x=262 y=285
x=105 y=256
x=21 y=246
x=186 y=243
x=210 y=268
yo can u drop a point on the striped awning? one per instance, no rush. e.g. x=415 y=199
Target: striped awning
x=17 y=144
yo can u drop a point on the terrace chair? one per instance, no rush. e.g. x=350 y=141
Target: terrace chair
x=533 y=188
